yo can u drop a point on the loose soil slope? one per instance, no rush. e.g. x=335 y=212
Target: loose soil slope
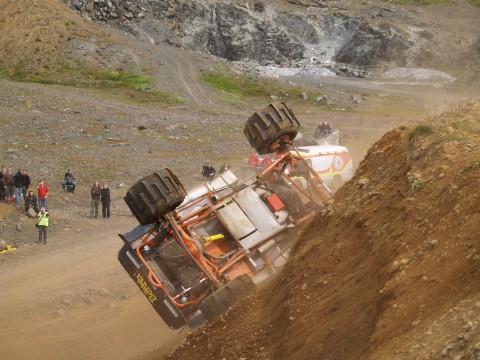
x=389 y=270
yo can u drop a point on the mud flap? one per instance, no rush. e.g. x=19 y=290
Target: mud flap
x=162 y=304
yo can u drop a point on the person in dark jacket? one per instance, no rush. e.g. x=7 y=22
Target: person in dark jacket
x=31 y=201
x=26 y=183
x=18 y=182
x=95 y=191
x=105 y=197
x=69 y=182
x=208 y=172
x=323 y=130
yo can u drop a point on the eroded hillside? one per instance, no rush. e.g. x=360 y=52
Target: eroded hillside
x=389 y=270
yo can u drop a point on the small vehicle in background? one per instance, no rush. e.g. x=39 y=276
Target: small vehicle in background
x=333 y=163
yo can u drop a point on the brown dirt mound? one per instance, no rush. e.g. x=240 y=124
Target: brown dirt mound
x=390 y=270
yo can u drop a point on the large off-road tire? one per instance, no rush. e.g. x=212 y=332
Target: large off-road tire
x=225 y=297
x=268 y=124
x=154 y=195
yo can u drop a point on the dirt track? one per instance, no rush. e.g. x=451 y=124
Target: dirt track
x=54 y=303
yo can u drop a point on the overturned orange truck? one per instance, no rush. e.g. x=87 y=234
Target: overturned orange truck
x=196 y=253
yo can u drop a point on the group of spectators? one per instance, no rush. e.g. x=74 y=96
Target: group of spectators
x=13 y=186
x=100 y=194
x=15 y=189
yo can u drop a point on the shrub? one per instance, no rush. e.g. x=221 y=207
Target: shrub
x=421 y=130
x=418 y=185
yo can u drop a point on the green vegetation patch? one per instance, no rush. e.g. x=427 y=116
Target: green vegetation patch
x=142 y=96
x=424 y=2
x=129 y=86
x=83 y=76
x=418 y=185
x=474 y=164
x=421 y=130
x=474 y=2
x=118 y=78
x=239 y=87
x=468 y=125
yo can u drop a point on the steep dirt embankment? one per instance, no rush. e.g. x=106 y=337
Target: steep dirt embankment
x=389 y=270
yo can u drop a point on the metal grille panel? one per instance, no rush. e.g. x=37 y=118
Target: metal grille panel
x=179 y=264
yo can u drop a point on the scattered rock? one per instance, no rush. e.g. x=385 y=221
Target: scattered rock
x=395 y=266
x=31 y=213
x=60 y=313
x=362 y=182
x=103 y=292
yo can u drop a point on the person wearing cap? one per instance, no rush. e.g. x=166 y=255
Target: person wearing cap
x=31 y=201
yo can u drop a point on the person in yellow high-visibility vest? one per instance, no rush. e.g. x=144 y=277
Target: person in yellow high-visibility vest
x=42 y=225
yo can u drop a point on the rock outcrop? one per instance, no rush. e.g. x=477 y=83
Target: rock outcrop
x=240 y=31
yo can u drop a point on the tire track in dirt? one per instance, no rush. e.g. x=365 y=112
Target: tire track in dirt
x=187 y=76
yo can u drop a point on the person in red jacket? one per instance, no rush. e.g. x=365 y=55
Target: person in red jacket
x=42 y=191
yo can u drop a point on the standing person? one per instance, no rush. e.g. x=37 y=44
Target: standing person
x=31 y=202
x=8 y=182
x=95 y=191
x=18 y=183
x=26 y=183
x=42 y=192
x=42 y=224
x=105 y=197
x=2 y=185
x=224 y=168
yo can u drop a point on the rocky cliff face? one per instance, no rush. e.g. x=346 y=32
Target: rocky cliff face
x=295 y=37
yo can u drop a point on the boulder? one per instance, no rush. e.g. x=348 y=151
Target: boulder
x=31 y=213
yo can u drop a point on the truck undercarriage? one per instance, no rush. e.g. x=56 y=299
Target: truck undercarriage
x=197 y=253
